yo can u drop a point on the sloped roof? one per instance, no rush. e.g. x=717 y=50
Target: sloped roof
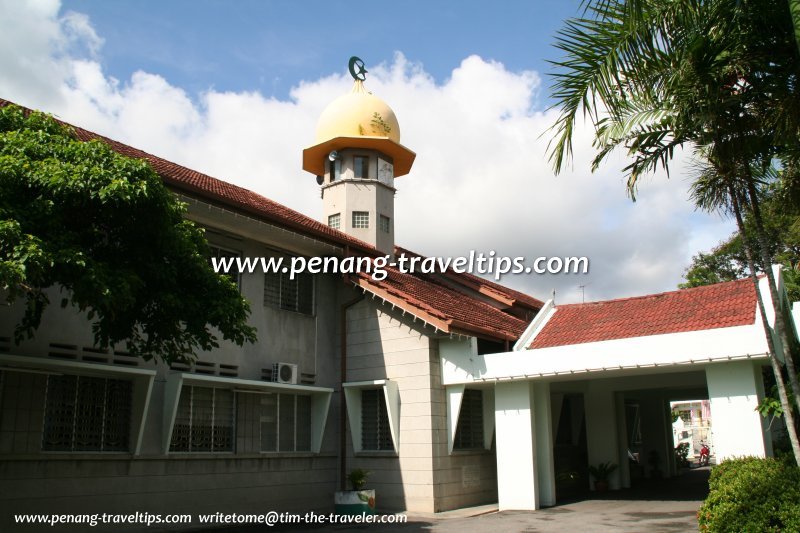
x=448 y=309
x=721 y=305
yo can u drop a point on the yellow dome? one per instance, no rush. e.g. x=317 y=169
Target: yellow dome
x=358 y=120
x=358 y=114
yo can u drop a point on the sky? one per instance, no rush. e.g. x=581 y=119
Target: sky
x=234 y=90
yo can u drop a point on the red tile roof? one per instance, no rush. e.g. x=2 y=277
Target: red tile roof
x=451 y=310
x=448 y=309
x=486 y=287
x=714 y=306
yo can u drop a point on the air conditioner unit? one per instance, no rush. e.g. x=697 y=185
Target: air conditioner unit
x=284 y=373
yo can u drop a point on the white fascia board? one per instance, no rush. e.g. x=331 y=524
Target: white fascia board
x=142 y=379
x=320 y=399
x=22 y=362
x=536 y=325
x=685 y=348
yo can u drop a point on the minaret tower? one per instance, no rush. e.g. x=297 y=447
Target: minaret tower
x=356 y=158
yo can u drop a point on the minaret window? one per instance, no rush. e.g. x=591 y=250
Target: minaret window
x=335 y=170
x=360 y=219
x=385 y=224
x=335 y=221
x=361 y=167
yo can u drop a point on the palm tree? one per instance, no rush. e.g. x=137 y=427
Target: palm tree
x=717 y=188
x=653 y=76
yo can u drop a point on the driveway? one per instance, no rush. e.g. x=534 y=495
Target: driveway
x=656 y=506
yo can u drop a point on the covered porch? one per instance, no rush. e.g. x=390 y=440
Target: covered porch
x=592 y=383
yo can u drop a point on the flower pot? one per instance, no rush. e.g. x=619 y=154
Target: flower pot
x=601 y=486
x=354 y=502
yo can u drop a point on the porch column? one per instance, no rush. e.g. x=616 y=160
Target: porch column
x=516 y=446
x=736 y=425
x=656 y=439
x=622 y=442
x=543 y=432
x=601 y=429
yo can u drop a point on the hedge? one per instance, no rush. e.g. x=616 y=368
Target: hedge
x=752 y=494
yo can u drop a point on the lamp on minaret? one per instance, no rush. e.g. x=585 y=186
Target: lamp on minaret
x=356 y=158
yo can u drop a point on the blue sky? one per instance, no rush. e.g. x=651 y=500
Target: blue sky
x=270 y=46
x=234 y=89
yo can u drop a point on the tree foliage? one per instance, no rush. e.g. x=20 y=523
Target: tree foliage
x=100 y=232
x=726 y=262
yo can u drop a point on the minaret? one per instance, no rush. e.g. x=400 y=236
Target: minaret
x=356 y=158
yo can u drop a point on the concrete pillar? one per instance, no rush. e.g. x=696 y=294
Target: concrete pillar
x=543 y=432
x=655 y=436
x=669 y=437
x=736 y=425
x=622 y=442
x=601 y=429
x=516 y=446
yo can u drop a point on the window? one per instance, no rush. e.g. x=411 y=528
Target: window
x=335 y=221
x=375 y=431
x=360 y=219
x=228 y=260
x=385 y=172
x=385 y=224
x=334 y=170
x=87 y=414
x=285 y=422
x=469 y=430
x=204 y=420
x=290 y=294
x=361 y=167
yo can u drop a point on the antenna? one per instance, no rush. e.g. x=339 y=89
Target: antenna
x=553 y=296
x=583 y=293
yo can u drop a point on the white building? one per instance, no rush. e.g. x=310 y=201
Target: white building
x=453 y=390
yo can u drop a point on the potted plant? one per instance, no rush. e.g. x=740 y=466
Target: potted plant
x=654 y=460
x=682 y=455
x=358 y=500
x=600 y=474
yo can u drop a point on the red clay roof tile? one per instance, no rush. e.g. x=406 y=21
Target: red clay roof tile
x=714 y=306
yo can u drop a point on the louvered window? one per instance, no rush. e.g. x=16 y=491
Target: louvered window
x=375 y=431
x=290 y=294
x=469 y=431
x=204 y=420
x=87 y=414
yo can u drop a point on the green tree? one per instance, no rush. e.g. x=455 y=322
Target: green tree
x=718 y=76
x=102 y=233
x=727 y=261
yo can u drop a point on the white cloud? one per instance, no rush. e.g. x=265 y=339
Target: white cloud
x=481 y=180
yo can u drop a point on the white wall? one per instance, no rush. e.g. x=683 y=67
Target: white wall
x=737 y=427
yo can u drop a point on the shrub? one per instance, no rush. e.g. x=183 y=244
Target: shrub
x=682 y=454
x=752 y=494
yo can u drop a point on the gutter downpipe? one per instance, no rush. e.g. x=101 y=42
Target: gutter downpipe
x=343 y=371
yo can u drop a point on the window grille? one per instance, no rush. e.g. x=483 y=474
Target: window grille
x=87 y=414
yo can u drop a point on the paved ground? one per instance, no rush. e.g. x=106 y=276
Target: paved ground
x=657 y=506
